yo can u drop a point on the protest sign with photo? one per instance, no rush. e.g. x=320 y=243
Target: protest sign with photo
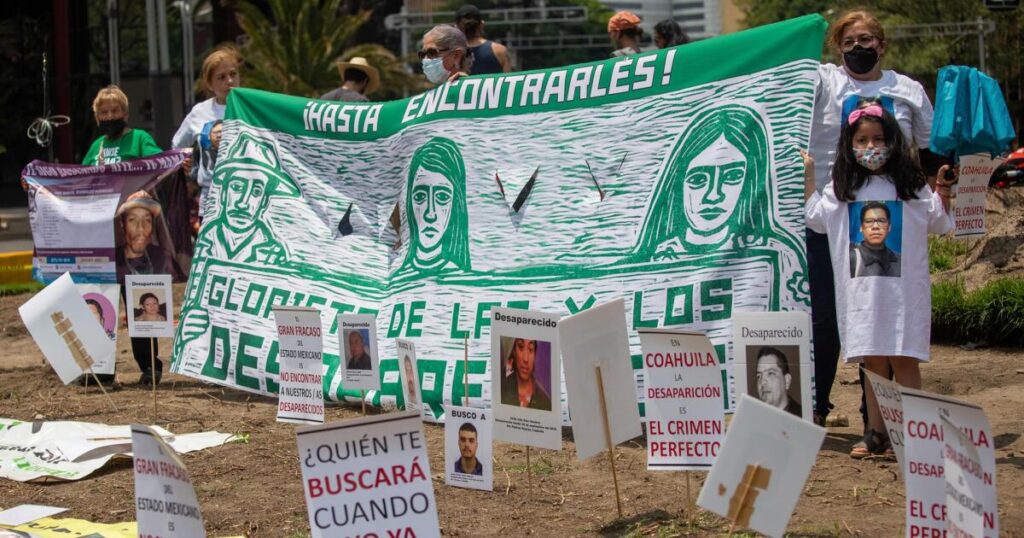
x=468 y=447
x=772 y=362
x=165 y=500
x=762 y=467
x=409 y=378
x=967 y=494
x=596 y=338
x=368 y=476
x=104 y=301
x=65 y=329
x=300 y=398
x=77 y=220
x=971 y=189
x=605 y=216
x=683 y=389
x=891 y=406
x=923 y=447
x=358 y=336
x=150 y=306
x=525 y=375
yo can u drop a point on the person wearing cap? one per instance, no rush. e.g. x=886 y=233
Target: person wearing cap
x=138 y=217
x=624 y=30
x=248 y=177
x=488 y=57
x=445 y=54
x=358 y=79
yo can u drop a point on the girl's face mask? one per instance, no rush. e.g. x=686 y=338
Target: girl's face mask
x=873 y=158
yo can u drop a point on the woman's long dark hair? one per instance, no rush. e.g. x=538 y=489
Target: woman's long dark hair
x=902 y=168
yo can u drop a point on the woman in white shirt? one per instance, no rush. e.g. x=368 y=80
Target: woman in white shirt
x=217 y=78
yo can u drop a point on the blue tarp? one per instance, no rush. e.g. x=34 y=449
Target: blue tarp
x=970 y=114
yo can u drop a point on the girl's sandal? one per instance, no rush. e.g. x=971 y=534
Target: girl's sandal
x=875 y=443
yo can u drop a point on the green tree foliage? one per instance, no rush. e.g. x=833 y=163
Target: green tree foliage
x=293 y=48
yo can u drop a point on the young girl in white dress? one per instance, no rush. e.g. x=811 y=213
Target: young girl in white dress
x=877 y=212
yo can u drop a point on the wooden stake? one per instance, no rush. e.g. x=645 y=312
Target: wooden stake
x=745 y=486
x=152 y=372
x=529 y=473
x=689 y=500
x=362 y=400
x=87 y=383
x=608 y=439
x=109 y=399
x=465 y=368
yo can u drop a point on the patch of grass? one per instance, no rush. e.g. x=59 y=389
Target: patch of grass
x=993 y=314
x=943 y=253
x=19 y=288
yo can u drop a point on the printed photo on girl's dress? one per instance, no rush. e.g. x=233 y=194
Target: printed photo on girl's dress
x=876 y=238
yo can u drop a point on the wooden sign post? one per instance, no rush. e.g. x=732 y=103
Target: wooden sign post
x=608 y=440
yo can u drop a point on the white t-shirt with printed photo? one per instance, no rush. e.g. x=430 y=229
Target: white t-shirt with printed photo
x=910 y=105
x=882 y=315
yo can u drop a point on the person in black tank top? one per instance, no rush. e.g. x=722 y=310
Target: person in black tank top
x=488 y=56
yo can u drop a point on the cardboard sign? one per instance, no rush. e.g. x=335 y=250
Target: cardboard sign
x=368 y=477
x=165 y=501
x=773 y=359
x=150 y=306
x=359 y=360
x=762 y=467
x=468 y=447
x=967 y=495
x=525 y=378
x=104 y=301
x=408 y=375
x=300 y=398
x=25 y=513
x=596 y=338
x=891 y=405
x=685 y=408
x=923 y=447
x=971 y=188
x=65 y=329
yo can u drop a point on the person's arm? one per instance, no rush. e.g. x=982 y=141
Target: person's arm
x=809 y=185
x=944 y=187
x=501 y=53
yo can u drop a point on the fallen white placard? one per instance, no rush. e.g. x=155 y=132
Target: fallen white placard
x=73 y=450
x=19 y=515
x=762 y=467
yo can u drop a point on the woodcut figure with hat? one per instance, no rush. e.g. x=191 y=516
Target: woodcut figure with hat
x=248 y=178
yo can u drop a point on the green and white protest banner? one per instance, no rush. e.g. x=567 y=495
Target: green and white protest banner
x=300 y=336
x=165 y=500
x=669 y=179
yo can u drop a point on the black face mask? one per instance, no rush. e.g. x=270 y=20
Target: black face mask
x=112 y=128
x=860 y=60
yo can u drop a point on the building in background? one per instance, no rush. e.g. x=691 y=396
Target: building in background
x=698 y=18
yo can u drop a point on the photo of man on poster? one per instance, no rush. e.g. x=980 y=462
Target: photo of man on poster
x=772 y=381
x=467 y=463
x=358 y=356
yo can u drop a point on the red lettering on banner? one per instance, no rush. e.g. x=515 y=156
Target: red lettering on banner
x=924 y=430
x=922 y=531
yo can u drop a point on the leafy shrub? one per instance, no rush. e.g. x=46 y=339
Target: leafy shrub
x=943 y=252
x=992 y=314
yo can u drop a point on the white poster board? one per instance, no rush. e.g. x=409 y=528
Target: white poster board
x=165 y=501
x=890 y=403
x=923 y=446
x=525 y=378
x=372 y=465
x=104 y=302
x=468 y=446
x=762 y=467
x=150 y=307
x=967 y=495
x=596 y=338
x=685 y=406
x=300 y=397
x=971 y=189
x=408 y=375
x=65 y=329
x=359 y=353
x=772 y=359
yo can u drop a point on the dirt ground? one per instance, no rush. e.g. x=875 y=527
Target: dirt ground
x=254 y=488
